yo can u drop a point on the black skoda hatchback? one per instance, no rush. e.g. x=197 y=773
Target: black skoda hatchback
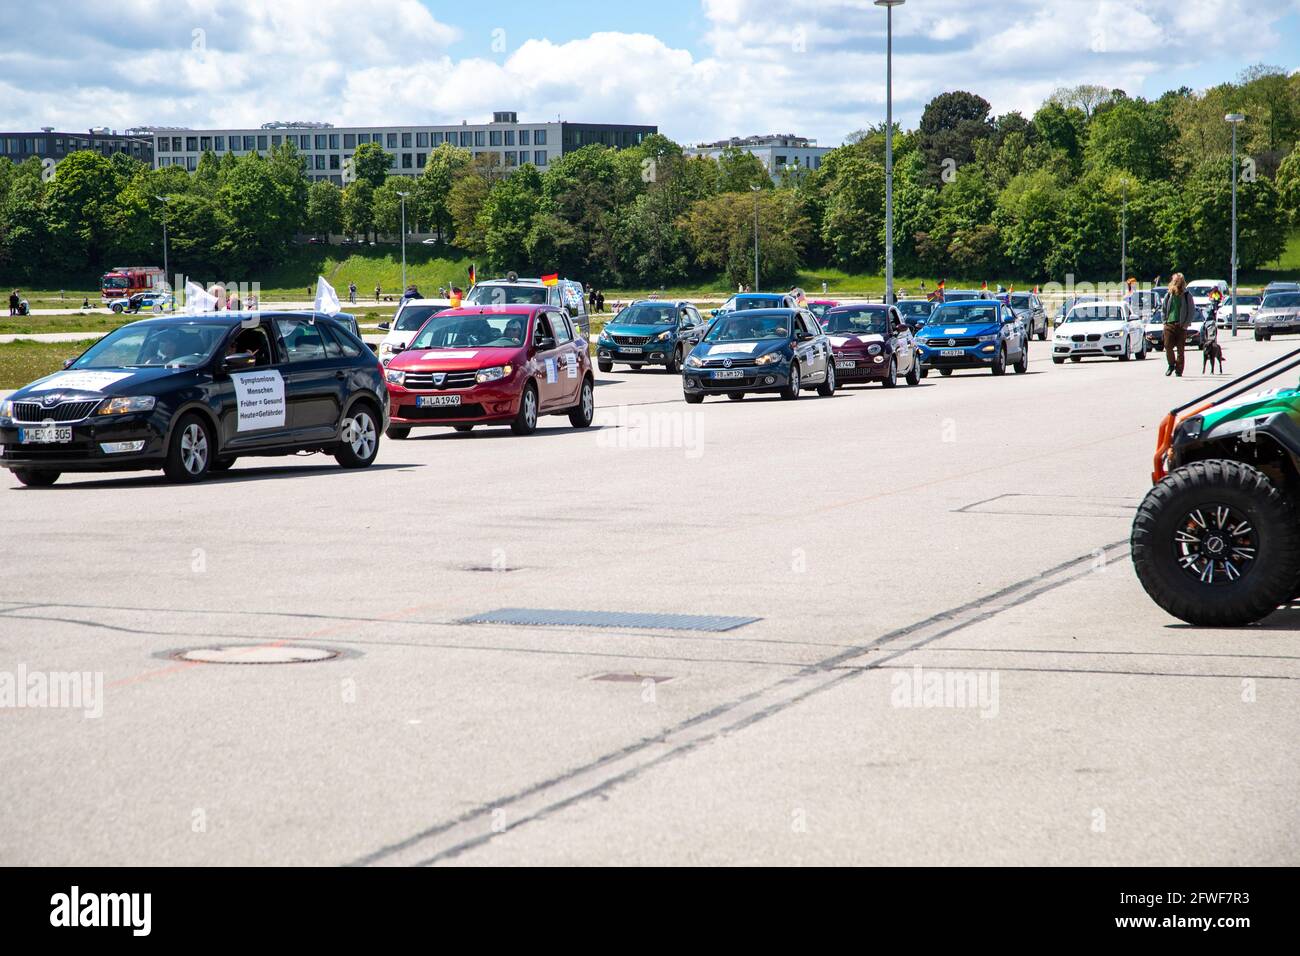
x=190 y=394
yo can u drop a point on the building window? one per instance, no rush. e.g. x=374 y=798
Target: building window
x=334 y=140
x=250 y=143
x=419 y=159
x=494 y=137
x=480 y=138
x=465 y=138
x=191 y=163
x=392 y=160
x=523 y=137
x=220 y=143
x=191 y=143
x=320 y=161
x=421 y=139
x=406 y=141
x=320 y=140
x=176 y=144
x=512 y=158
x=349 y=140
x=334 y=161
x=539 y=137
x=406 y=160
x=539 y=157
x=510 y=137
x=363 y=138
x=261 y=143
x=437 y=139
x=276 y=140
x=392 y=141
x=205 y=143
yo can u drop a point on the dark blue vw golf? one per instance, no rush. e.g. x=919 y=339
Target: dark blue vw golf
x=760 y=350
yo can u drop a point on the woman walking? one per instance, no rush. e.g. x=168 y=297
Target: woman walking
x=1179 y=310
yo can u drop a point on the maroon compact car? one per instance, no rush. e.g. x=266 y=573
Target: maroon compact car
x=871 y=343
x=491 y=365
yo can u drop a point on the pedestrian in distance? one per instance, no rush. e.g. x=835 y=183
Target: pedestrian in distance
x=600 y=301
x=352 y=292
x=1178 y=311
x=13 y=302
x=377 y=291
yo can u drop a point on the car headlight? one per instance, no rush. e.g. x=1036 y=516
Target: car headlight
x=664 y=336
x=493 y=374
x=1190 y=430
x=395 y=376
x=604 y=336
x=693 y=361
x=6 y=409
x=1118 y=333
x=873 y=349
x=768 y=359
x=988 y=338
x=126 y=405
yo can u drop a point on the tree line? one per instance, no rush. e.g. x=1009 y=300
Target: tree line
x=975 y=194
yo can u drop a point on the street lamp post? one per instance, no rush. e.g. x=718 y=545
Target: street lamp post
x=757 y=190
x=889 y=145
x=403 y=195
x=1123 y=235
x=166 y=275
x=1234 y=119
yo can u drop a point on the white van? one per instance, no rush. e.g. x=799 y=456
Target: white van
x=412 y=314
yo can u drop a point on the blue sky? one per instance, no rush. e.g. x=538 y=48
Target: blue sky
x=699 y=69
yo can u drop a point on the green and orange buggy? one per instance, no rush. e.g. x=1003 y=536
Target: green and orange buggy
x=1216 y=541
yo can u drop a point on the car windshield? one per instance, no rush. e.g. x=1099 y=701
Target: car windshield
x=863 y=321
x=507 y=295
x=1281 y=300
x=1201 y=290
x=914 y=308
x=1069 y=304
x=149 y=345
x=1243 y=300
x=472 y=331
x=970 y=315
x=740 y=327
x=1019 y=300
x=1096 y=313
x=819 y=309
x=413 y=316
x=664 y=313
x=961 y=296
x=115 y=282
x=759 y=302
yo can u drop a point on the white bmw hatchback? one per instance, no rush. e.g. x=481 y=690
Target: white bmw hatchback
x=1099 y=330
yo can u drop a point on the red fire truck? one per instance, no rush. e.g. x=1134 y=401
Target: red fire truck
x=122 y=282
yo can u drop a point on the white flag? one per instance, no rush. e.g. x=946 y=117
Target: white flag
x=327 y=300
x=197 y=299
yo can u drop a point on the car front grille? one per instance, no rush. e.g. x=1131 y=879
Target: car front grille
x=630 y=339
x=34 y=413
x=424 y=380
x=435 y=412
x=727 y=384
x=729 y=363
x=1090 y=337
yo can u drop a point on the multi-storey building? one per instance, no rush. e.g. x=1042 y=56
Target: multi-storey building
x=51 y=144
x=778 y=154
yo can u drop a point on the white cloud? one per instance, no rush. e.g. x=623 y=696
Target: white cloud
x=801 y=66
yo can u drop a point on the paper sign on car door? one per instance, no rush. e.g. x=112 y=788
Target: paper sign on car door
x=571 y=364
x=260 y=396
x=552 y=373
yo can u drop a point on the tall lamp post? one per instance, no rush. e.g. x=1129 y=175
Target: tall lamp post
x=166 y=275
x=1123 y=235
x=889 y=145
x=404 y=195
x=1234 y=119
x=757 y=190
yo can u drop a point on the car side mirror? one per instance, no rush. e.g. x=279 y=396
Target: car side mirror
x=67 y=362
x=238 y=361
x=544 y=343
x=383 y=326
x=399 y=347
x=713 y=313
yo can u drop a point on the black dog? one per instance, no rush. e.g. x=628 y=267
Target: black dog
x=1213 y=352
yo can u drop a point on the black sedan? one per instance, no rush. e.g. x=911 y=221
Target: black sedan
x=191 y=394
x=760 y=350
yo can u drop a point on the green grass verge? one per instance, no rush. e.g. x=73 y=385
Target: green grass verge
x=24 y=362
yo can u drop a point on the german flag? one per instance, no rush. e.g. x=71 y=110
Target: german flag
x=473 y=275
x=985 y=285
x=552 y=279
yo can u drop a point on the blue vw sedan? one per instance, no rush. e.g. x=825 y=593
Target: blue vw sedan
x=977 y=333
x=760 y=350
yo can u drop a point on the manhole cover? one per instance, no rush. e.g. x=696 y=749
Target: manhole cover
x=256 y=654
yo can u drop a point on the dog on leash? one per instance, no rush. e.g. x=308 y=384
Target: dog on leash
x=1213 y=352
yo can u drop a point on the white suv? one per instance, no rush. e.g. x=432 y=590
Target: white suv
x=412 y=314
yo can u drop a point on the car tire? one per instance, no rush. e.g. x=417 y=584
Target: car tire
x=925 y=372
x=580 y=415
x=36 y=477
x=1249 y=495
x=791 y=392
x=692 y=398
x=1058 y=361
x=891 y=375
x=735 y=396
x=604 y=366
x=525 y=420
x=1076 y=358
x=463 y=428
x=1042 y=335
x=999 y=366
x=1128 y=352
x=397 y=432
x=190 y=450
x=945 y=372
x=827 y=388
x=674 y=366
x=360 y=438
x=1142 y=352
x=914 y=374
x=1022 y=363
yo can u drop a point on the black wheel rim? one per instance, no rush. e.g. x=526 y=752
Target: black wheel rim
x=1216 y=544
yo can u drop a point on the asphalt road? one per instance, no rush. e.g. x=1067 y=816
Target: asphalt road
x=897 y=548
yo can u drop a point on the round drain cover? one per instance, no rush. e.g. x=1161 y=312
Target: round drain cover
x=257 y=654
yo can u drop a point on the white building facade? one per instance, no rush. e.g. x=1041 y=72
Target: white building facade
x=779 y=154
